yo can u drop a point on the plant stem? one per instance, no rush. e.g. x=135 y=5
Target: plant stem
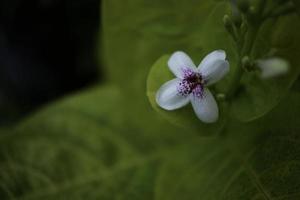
x=238 y=71
x=246 y=50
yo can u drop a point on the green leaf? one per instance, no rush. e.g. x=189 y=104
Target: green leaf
x=260 y=162
x=80 y=148
x=257 y=97
x=135 y=34
x=74 y=149
x=184 y=117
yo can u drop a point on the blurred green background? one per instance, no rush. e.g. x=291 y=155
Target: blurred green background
x=76 y=122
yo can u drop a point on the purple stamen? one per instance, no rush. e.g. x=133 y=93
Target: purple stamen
x=187 y=72
x=192 y=82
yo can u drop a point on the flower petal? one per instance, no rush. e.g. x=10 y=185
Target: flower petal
x=168 y=97
x=214 y=71
x=180 y=61
x=206 y=107
x=272 y=67
x=212 y=57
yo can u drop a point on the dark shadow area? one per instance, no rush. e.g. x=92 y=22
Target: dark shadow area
x=47 y=49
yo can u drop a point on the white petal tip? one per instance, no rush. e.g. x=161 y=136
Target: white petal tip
x=206 y=108
x=221 y=53
x=211 y=121
x=215 y=71
x=272 y=67
x=179 y=61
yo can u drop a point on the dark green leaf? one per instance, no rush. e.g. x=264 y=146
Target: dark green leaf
x=135 y=34
x=257 y=97
x=71 y=150
x=80 y=148
x=260 y=162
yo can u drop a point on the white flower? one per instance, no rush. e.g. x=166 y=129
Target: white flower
x=272 y=67
x=190 y=84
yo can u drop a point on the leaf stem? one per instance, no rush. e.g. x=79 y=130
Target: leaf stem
x=246 y=50
x=247 y=46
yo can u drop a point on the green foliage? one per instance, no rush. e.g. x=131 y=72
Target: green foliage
x=260 y=162
x=151 y=29
x=70 y=151
x=137 y=32
x=255 y=97
x=108 y=143
x=79 y=149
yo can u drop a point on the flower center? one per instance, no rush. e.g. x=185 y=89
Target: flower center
x=192 y=82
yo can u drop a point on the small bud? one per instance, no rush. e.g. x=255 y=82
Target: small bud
x=228 y=24
x=230 y=27
x=247 y=64
x=272 y=67
x=252 y=9
x=227 y=21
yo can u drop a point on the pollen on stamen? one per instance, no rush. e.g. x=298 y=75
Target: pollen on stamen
x=198 y=91
x=184 y=88
x=187 y=72
x=192 y=82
